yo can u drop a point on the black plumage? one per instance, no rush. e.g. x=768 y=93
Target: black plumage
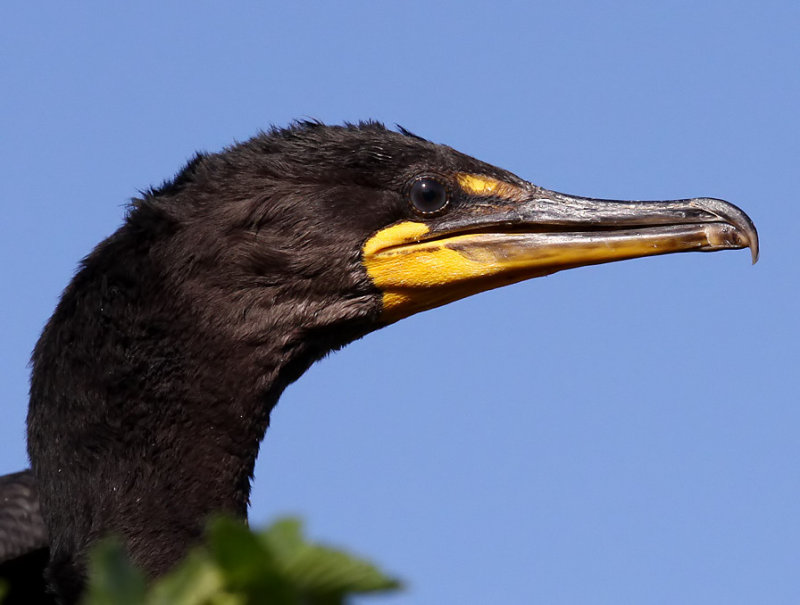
x=23 y=540
x=153 y=381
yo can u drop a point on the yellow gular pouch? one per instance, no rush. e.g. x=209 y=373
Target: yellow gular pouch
x=415 y=275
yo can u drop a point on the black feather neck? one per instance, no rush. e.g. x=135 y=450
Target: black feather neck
x=153 y=381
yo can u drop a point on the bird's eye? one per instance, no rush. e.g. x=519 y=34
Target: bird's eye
x=428 y=196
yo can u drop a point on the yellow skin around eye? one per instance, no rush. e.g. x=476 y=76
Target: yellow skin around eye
x=474 y=184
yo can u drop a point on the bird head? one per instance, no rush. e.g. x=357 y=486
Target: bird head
x=334 y=224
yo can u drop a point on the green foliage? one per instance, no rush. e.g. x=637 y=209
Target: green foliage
x=114 y=580
x=239 y=567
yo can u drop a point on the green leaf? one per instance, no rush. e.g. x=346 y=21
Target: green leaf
x=320 y=570
x=283 y=539
x=196 y=581
x=237 y=551
x=247 y=566
x=113 y=580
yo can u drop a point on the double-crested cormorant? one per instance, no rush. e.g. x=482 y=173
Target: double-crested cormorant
x=153 y=381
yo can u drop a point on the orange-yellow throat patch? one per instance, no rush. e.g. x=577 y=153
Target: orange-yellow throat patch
x=415 y=275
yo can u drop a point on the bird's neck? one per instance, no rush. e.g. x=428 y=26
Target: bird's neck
x=148 y=404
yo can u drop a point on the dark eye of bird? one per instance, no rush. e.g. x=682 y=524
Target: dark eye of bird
x=428 y=195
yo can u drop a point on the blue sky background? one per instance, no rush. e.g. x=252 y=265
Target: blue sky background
x=617 y=434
